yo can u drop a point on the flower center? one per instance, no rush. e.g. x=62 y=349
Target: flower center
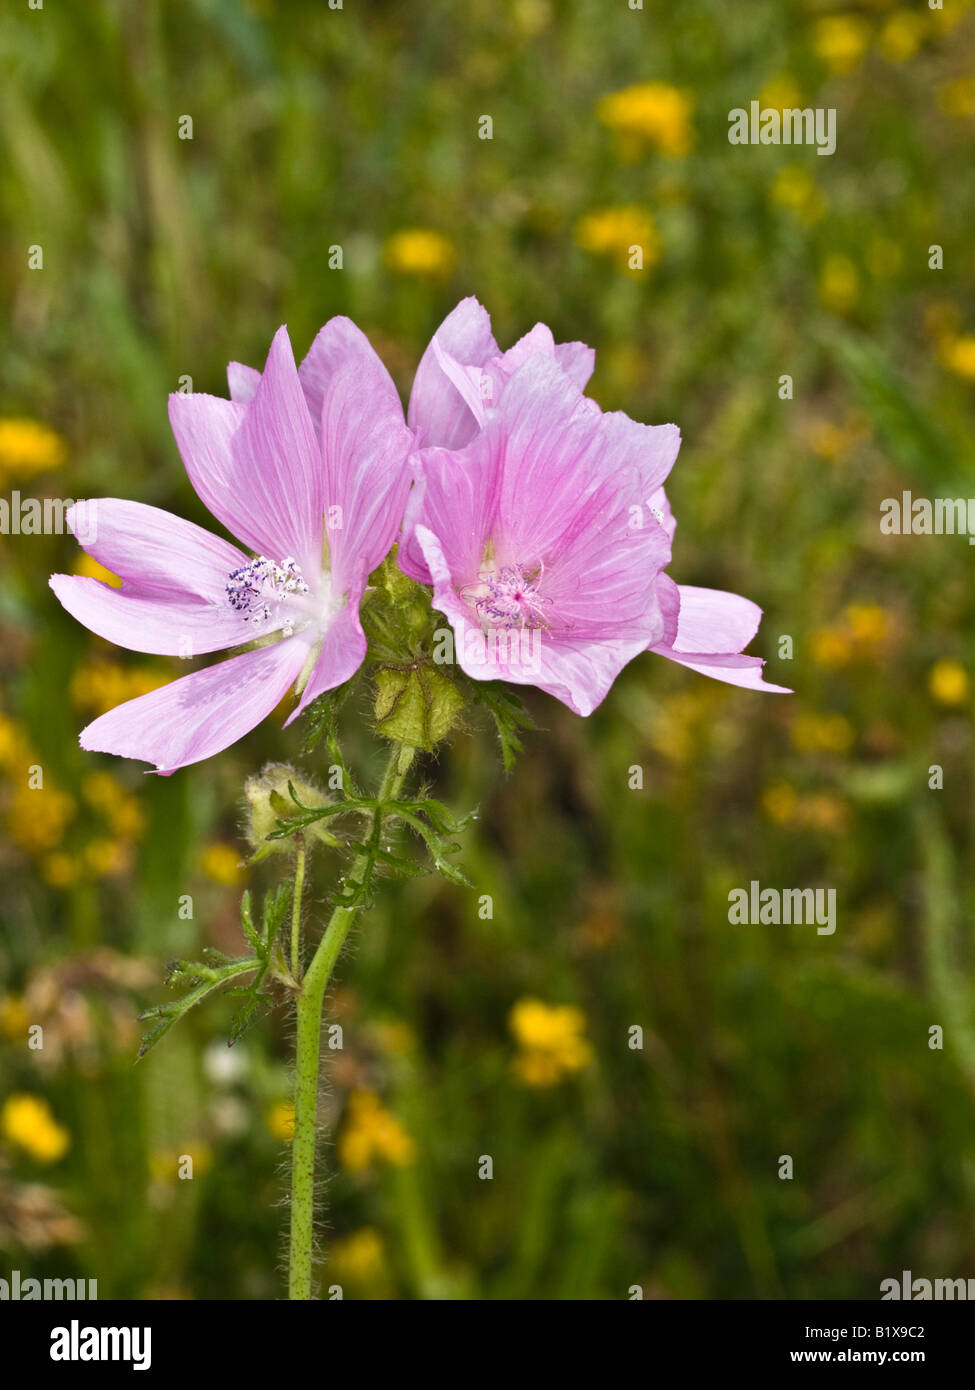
x=508 y=597
x=263 y=591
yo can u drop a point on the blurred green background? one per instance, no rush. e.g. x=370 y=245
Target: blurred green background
x=614 y=1166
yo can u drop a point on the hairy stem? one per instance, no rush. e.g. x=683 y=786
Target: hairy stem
x=296 y=904
x=309 y=1006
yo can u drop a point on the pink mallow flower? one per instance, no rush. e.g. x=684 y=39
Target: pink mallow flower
x=546 y=539
x=309 y=469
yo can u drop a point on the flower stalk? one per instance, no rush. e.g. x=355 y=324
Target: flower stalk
x=310 y=1000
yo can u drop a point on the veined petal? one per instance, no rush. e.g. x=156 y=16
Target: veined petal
x=154 y=552
x=577 y=361
x=242 y=381
x=278 y=463
x=202 y=713
x=575 y=670
x=256 y=465
x=456 y=497
x=164 y=624
x=337 y=345
x=436 y=407
x=712 y=627
x=712 y=620
x=365 y=447
x=343 y=651
x=744 y=671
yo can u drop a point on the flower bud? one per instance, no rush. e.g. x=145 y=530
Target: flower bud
x=269 y=801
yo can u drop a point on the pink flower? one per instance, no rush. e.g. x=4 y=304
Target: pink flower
x=463 y=372
x=546 y=539
x=309 y=470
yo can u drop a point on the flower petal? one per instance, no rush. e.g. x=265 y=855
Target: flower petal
x=242 y=381
x=436 y=407
x=712 y=627
x=278 y=463
x=365 y=448
x=165 y=625
x=153 y=551
x=336 y=345
x=343 y=652
x=202 y=713
x=575 y=670
x=256 y=466
x=456 y=496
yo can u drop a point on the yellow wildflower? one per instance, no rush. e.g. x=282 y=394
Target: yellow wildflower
x=550 y=1040
x=169 y=1165
x=89 y=568
x=359 y=1257
x=14 y=1017
x=795 y=188
x=27 y=1123
x=419 y=251
x=616 y=231
x=841 y=41
x=868 y=623
x=60 y=870
x=948 y=682
x=107 y=858
x=825 y=812
x=957 y=97
x=781 y=94
x=822 y=733
x=650 y=113
x=830 y=647
x=99 y=686
x=372 y=1133
x=14 y=750
x=28 y=447
x=779 y=802
x=222 y=863
x=280 y=1120
x=37 y=818
x=901 y=36
x=839 y=284
x=958 y=355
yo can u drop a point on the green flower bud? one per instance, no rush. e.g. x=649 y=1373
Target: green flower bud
x=418 y=706
x=269 y=801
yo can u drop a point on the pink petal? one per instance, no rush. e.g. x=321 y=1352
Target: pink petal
x=456 y=497
x=577 y=671
x=436 y=407
x=712 y=627
x=200 y=714
x=365 y=447
x=256 y=466
x=166 y=625
x=279 y=463
x=712 y=620
x=343 y=652
x=577 y=361
x=336 y=345
x=243 y=382
x=153 y=550
x=744 y=671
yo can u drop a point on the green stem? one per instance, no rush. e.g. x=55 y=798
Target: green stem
x=309 y=1006
x=296 y=903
